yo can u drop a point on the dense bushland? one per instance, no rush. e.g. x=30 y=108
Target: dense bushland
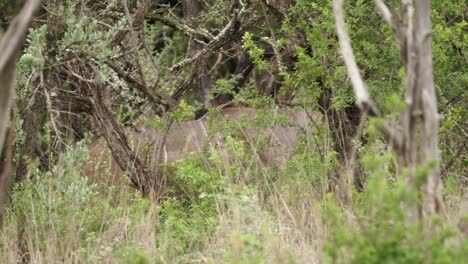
x=278 y=53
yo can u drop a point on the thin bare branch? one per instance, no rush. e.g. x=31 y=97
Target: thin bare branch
x=13 y=38
x=177 y=23
x=158 y=98
x=385 y=12
x=359 y=86
x=10 y=45
x=390 y=17
x=213 y=44
x=137 y=22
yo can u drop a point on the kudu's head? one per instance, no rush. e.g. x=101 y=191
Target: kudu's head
x=272 y=135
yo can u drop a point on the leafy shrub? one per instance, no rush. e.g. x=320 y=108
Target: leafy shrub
x=60 y=216
x=382 y=230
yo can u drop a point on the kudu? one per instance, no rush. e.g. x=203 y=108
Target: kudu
x=195 y=136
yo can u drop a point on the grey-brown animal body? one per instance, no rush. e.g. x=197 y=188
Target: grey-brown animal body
x=271 y=142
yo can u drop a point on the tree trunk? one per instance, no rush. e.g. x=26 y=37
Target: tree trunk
x=7 y=84
x=33 y=112
x=420 y=121
x=417 y=143
x=432 y=187
x=201 y=83
x=115 y=137
x=6 y=171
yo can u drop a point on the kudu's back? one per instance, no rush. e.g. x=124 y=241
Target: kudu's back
x=272 y=141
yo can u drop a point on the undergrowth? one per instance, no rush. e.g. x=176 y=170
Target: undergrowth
x=220 y=207
x=210 y=216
